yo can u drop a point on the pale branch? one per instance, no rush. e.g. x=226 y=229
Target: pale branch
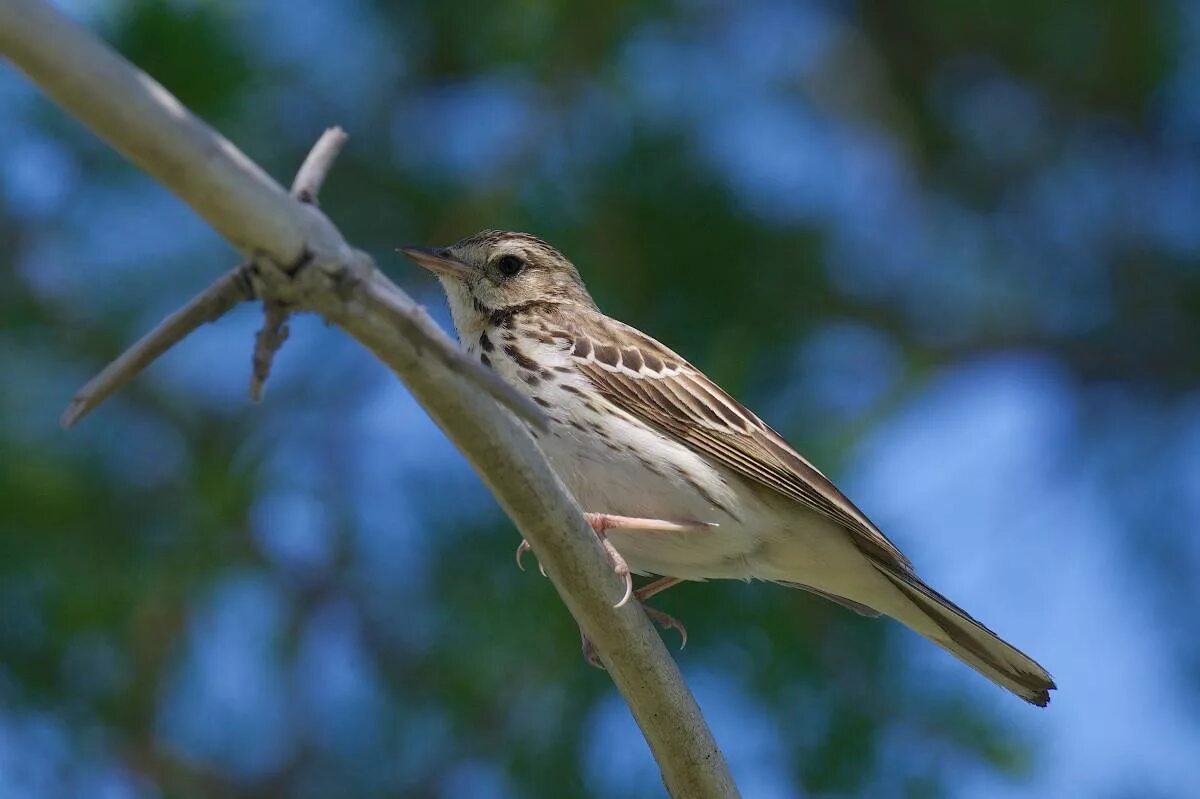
x=212 y=303
x=316 y=166
x=160 y=135
x=215 y=301
x=267 y=341
x=305 y=188
x=300 y=260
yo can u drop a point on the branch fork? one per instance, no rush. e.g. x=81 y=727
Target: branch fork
x=327 y=266
x=305 y=188
x=244 y=282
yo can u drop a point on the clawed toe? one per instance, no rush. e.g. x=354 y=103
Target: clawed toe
x=667 y=622
x=664 y=620
x=621 y=568
x=599 y=523
x=522 y=548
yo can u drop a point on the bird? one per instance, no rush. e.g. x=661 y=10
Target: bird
x=679 y=480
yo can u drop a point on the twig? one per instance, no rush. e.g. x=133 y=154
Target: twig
x=316 y=166
x=144 y=121
x=212 y=303
x=306 y=187
x=267 y=342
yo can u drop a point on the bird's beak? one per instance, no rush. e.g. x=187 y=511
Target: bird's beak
x=437 y=260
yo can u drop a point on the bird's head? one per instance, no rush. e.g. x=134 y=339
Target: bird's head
x=496 y=271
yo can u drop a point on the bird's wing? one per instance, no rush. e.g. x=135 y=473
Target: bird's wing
x=645 y=379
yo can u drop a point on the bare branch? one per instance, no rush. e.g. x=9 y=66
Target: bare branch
x=267 y=342
x=154 y=116
x=311 y=176
x=329 y=277
x=214 y=302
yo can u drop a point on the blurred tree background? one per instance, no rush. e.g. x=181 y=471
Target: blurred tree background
x=952 y=250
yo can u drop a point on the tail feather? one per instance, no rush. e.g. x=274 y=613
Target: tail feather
x=951 y=627
x=848 y=604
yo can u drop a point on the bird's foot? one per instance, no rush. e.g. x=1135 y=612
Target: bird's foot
x=664 y=620
x=602 y=522
x=667 y=622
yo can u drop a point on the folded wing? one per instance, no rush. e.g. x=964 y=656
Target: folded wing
x=650 y=382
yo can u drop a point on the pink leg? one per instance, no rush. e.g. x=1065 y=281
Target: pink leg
x=601 y=522
x=609 y=521
x=657 y=587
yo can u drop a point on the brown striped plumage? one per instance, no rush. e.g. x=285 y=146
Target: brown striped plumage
x=638 y=431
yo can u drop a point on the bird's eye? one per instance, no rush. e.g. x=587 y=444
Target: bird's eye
x=510 y=265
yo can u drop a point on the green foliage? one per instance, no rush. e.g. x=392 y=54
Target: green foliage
x=187 y=47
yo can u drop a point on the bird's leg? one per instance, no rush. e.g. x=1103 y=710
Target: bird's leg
x=657 y=587
x=600 y=522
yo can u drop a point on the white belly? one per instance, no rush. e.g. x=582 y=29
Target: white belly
x=758 y=535
x=647 y=480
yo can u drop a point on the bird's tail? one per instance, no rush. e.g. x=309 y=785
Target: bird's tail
x=948 y=625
